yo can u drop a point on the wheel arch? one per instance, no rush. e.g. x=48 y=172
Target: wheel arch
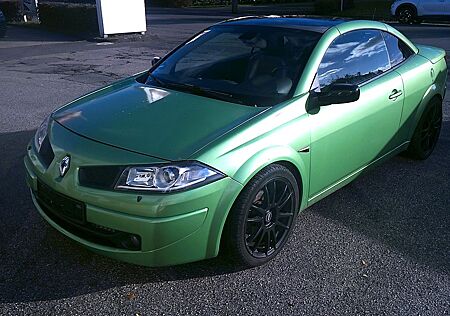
x=297 y=163
x=430 y=95
x=406 y=5
x=285 y=157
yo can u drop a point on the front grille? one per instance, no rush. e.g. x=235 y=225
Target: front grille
x=70 y=214
x=99 y=177
x=46 y=154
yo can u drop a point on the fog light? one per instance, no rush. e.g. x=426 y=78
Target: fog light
x=131 y=242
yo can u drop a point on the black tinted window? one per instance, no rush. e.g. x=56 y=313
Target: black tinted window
x=398 y=50
x=354 y=57
x=254 y=65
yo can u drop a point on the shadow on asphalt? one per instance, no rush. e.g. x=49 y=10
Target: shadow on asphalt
x=406 y=209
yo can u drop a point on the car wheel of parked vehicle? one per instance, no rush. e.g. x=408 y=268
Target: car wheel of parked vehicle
x=2 y=25
x=427 y=131
x=262 y=217
x=406 y=14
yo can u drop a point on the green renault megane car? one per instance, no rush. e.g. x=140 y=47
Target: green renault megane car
x=226 y=139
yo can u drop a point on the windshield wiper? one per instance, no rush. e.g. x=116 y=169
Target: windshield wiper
x=224 y=96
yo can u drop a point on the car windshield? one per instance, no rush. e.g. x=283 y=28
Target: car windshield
x=252 y=65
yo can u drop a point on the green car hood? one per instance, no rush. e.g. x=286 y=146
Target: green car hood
x=166 y=124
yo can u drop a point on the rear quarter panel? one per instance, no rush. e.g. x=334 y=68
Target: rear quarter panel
x=422 y=81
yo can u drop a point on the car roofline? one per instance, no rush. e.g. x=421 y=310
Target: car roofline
x=316 y=28
x=343 y=25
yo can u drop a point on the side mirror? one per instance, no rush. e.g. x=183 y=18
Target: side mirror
x=155 y=60
x=334 y=94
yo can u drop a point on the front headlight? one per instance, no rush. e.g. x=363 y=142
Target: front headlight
x=167 y=178
x=41 y=133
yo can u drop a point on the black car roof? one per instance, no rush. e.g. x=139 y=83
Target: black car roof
x=320 y=25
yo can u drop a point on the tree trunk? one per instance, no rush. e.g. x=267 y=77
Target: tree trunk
x=234 y=6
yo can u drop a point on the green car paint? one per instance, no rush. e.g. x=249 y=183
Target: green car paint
x=130 y=123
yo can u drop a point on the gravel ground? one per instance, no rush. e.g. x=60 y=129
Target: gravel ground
x=379 y=246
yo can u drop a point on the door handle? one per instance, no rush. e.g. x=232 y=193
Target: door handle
x=395 y=94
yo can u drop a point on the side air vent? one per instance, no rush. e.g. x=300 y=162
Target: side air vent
x=99 y=177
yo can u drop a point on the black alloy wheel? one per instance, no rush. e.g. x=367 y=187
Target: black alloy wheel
x=262 y=217
x=427 y=131
x=406 y=15
x=270 y=218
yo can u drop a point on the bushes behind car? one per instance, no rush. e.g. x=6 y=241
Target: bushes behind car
x=69 y=17
x=187 y=3
x=170 y=3
x=2 y=25
x=11 y=10
x=330 y=6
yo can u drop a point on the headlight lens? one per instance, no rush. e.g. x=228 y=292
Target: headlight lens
x=41 y=133
x=167 y=178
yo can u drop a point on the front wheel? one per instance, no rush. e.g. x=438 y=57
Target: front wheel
x=262 y=218
x=406 y=15
x=427 y=131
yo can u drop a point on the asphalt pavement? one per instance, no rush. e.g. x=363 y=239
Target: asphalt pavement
x=379 y=246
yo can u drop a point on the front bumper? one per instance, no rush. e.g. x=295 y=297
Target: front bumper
x=172 y=228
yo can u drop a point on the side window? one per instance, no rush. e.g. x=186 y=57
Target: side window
x=397 y=49
x=354 y=57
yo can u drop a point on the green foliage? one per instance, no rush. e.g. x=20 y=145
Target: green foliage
x=256 y=2
x=11 y=10
x=171 y=3
x=69 y=18
x=367 y=9
x=326 y=6
x=331 y=6
x=186 y=3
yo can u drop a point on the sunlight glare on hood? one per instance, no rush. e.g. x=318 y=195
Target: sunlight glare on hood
x=154 y=94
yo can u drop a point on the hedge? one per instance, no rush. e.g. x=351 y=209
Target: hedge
x=187 y=3
x=330 y=6
x=11 y=10
x=256 y=2
x=170 y=3
x=69 y=18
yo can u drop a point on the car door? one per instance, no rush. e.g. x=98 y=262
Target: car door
x=431 y=7
x=446 y=7
x=346 y=137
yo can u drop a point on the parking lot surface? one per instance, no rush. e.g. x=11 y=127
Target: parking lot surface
x=379 y=246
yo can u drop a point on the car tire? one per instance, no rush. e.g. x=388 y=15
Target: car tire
x=406 y=14
x=427 y=131
x=262 y=218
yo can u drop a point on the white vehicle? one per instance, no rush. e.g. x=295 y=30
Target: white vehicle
x=414 y=11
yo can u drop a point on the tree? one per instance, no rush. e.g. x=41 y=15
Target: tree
x=234 y=6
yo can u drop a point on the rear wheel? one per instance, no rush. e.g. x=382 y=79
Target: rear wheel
x=427 y=131
x=262 y=217
x=406 y=14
